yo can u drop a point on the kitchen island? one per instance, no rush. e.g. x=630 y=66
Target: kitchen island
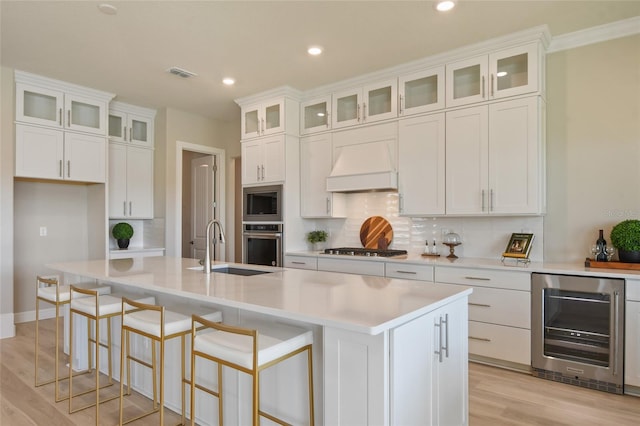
x=386 y=351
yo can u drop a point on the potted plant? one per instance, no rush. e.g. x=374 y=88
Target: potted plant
x=625 y=237
x=122 y=232
x=315 y=237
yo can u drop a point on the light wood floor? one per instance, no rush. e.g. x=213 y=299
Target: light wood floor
x=496 y=396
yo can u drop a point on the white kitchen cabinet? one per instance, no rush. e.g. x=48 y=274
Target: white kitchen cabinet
x=130 y=182
x=632 y=335
x=374 y=102
x=499 y=313
x=45 y=102
x=301 y=262
x=408 y=271
x=421 y=92
x=263 y=118
x=263 y=160
x=351 y=266
x=421 y=165
x=495 y=158
x=500 y=74
x=131 y=124
x=46 y=153
x=315 y=166
x=441 y=382
x=315 y=115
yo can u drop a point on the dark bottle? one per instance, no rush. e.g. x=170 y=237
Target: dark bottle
x=602 y=246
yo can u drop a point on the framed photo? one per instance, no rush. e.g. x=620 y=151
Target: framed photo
x=519 y=246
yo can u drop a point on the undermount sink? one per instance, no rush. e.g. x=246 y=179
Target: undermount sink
x=231 y=270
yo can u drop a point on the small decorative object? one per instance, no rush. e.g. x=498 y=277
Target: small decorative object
x=519 y=246
x=122 y=232
x=431 y=251
x=600 y=253
x=452 y=240
x=625 y=236
x=315 y=237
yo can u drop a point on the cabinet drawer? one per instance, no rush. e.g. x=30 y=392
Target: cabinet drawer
x=632 y=290
x=409 y=272
x=498 y=306
x=514 y=280
x=500 y=342
x=360 y=267
x=301 y=262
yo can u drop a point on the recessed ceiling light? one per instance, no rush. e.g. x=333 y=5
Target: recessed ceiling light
x=445 y=5
x=314 y=50
x=107 y=9
x=228 y=81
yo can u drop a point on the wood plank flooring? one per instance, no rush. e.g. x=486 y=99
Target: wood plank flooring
x=496 y=396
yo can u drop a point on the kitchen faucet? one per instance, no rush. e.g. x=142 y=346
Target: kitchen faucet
x=207 y=257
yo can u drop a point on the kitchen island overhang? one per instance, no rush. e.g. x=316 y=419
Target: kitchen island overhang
x=367 y=321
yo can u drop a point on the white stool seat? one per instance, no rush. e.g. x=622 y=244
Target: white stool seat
x=174 y=322
x=108 y=304
x=64 y=292
x=274 y=341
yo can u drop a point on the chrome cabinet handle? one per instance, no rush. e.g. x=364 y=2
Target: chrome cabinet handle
x=68 y=168
x=130 y=134
x=482 y=339
x=482 y=305
x=400 y=99
x=60 y=116
x=477 y=278
x=263 y=172
x=483 y=88
x=439 y=351
x=491 y=83
x=257 y=172
x=69 y=118
x=129 y=208
x=124 y=208
x=616 y=330
x=124 y=132
x=482 y=198
x=327 y=119
x=406 y=272
x=446 y=335
x=263 y=127
x=298 y=263
x=358 y=112
x=60 y=168
x=328 y=205
x=364 y=111
x=491 y=200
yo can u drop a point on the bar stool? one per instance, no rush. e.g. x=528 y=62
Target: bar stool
x=158 y=324
x=249 y=350
x=94 y=306
x=49 y=290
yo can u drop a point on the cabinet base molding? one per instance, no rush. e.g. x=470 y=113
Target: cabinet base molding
x=507 y=365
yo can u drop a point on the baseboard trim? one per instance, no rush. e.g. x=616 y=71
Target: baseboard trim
x=29 y=316
x=7 y=326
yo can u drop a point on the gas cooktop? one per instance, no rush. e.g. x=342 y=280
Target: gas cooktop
x=359 y=251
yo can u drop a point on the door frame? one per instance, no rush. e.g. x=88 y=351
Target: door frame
x=219 y=188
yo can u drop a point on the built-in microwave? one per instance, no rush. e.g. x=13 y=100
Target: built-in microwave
x=262 y=203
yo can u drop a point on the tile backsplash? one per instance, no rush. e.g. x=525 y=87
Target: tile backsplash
x=483 y=237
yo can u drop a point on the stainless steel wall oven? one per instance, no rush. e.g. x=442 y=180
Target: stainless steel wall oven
x=262 y=244
x=577 y=330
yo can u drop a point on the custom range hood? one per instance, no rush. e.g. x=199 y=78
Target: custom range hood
x=364 y=160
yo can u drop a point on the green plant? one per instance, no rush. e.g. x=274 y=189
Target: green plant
x=317 y=236
x=626 y=235
x=122 y=231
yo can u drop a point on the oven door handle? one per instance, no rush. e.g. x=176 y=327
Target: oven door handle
x=263 y=234
x=616 y=330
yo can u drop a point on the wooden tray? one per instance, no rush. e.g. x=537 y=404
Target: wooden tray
x=589 y=263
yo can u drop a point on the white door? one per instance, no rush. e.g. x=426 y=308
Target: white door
x=203 y=207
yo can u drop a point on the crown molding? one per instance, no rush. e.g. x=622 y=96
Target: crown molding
x=618 y=29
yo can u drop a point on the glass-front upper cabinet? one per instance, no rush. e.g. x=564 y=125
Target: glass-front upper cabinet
x=421 y=92
x=263 y=119
x=131 y=124
x=315 y=115
x=501 y=74
x=54 y=108
x=371 y=103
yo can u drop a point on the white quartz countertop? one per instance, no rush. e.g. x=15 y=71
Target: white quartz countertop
x=575 y=268
x=363 y=304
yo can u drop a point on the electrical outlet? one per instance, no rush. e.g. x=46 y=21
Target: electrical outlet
x=43 y=231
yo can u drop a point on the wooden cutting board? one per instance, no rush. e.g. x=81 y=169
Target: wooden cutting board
x=374 y=231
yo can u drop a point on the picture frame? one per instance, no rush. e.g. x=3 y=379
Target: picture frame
x=519 y=246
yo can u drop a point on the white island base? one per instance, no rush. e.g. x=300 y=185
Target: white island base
x=386 y=351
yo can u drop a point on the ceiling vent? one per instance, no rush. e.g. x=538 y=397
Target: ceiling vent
x=181 y=72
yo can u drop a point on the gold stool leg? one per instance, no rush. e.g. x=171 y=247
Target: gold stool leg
x=220 y=381
x=37 y=344
x=122 y=368
x=310 y=373
x=96 y=321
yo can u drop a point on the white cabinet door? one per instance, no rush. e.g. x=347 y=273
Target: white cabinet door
x=140 y=130
x=421 y=165
x=315 y=166
x=39 y=105
x=140 y=182
x=301 y=262
x=131 y=124
x=375 y=102
x=251 y=162
x=85 y=114
x=117 y=181
x=421 y=92
x=117 y=126
x=515 y=157
x=467 y=161
x=346 y=108
x=85 y=157
x=263 y=160
x=39 y=152
x=514 y=71
x=314 y=115
x=466 y=81
x=632 y=343
x=263 y=118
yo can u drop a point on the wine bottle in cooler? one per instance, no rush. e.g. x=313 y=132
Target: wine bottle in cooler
x=602 y=246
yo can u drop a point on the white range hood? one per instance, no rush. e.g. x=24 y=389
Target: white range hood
x=364 y=162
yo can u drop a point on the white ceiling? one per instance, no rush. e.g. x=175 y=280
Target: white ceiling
x=262 y=44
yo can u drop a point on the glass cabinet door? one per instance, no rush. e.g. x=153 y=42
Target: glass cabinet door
x=39 y=106
x=250 y=121
x=140 y=130
x=117 y=126
x=346 y=108
x=514 y=71
x=315 y=115
x=381 y=101
x=466 y=81
x=273 y=117
x=85 y=115
x=421 y=92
